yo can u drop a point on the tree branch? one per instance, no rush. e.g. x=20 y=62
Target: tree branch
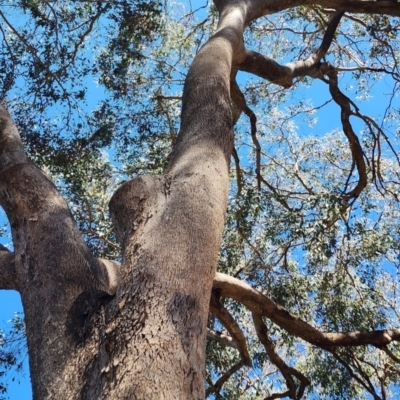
x=240 y=102
x=221 y=338
x=218 y=385
x=287 y=372
x=259 y=8
x=356 y=151
x=283 y=75
x=217 y=309
x=260 y=304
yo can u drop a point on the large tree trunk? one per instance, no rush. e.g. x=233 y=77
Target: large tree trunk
x=148 y=340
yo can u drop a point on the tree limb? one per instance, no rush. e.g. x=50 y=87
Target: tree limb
x=221 y=338
x=283 y=75
x=217 y=309
x=287 y=372
x=240 y=102
x=260 y=304
x=259 y=8
x=356 y=151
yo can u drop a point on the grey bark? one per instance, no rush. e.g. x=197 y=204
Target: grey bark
x=96 y=332
x=147 y=341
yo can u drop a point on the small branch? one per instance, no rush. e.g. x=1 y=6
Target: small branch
x=217 y=309
x=356 y=151
x=238 y=173
x=390 y=354
x=221 y=338
x=240 y=102
x=172 y=134
x=216 y=387
x=355 y=376
x=287 y=372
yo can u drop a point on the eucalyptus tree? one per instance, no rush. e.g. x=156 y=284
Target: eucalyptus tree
x=305 y=298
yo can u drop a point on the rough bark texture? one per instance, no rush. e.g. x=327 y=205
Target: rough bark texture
x=148 y=341
x=96 y=332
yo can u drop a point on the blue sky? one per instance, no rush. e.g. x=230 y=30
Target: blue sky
x=328 y=119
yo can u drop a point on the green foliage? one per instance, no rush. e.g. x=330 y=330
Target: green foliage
x=95 y=89
x=12 y=352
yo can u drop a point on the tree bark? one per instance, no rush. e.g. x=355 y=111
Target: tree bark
x=148 y=340
x=99 y=332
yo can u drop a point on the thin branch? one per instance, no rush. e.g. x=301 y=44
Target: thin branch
x=240 y=102
x=287 y=372
x=224 y=316
x=390 y=354
x=216 y=387
x=221 y=338
x=238 y=172
x=356 y=151
x=354 y=375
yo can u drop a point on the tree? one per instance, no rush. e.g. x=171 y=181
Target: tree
x=100 y=329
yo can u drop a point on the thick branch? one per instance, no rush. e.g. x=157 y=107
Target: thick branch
x=8 y=276
x=283 y=75
x=259 y=8
x=260 y=304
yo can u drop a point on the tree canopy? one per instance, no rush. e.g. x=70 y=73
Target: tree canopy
x=306 y=298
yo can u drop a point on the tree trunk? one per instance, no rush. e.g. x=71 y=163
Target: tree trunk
x=143 y=337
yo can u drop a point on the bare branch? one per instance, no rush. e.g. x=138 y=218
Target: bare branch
x=238 y=172
x=390 y=354
x=356 y=151
x=240 y=102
